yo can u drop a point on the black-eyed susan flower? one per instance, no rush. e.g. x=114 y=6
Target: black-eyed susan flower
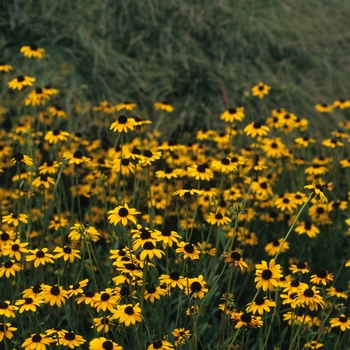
x=200 y=172
x=180 y=335
x=307 y=228
x=321 y=277
x=29 y=304
x=233 y=114
x=323 y=107
x=168 y=173
x=164 y=106
x=105 y=106
x=54 y=295
x=15 y=249
x=32 y=51
x=290 y=299
x=9 y=268
x=342 y=104
x=106 y=299
x=125 y=166
x=5 y=67
x=123 y=214
x=260 y=305
x=123 y=124
x=342 y=322
x=188 y=250
x=71 y=340
x=57 y=111
x=44 y=181
x=167 y=236
x=235 y=257
x=244 y=319
x=173 y=280
x=21 y=158
x=187 y=192
x=150 y=251
x=160 y=345
x=37 y=341
x=154 y=293
x=224 y=165
x=274 y=148
x=84 y=232
x=275 y=246
x=148 y=157
x=86 y=298
x=206 y=248
x=285 y=203
x=129 y=106
x=337 y=292
x=76 y=158
x=14 y=219
x=40 y=257
x=6 y=330
x=297 y=317
x=103 y=343
x=332 y=143
x=128 y=314
x=313 y=344
x=56 y=135
x=300 y=267
x=267 y=275
x=50 y=167
x=102 y=324
x=217 y=219
x=255 y=129
x=32 y=292
x=67 y=253
x=20 y=82
x=195 y=287
x=36 y=97
x=77 y=288
x=317 y=193
x=304 y=141
x=260 y=90
x=311 y=298
x=7 y=310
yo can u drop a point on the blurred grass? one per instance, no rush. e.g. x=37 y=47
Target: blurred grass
x=200 y=55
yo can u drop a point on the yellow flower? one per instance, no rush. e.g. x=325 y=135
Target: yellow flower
x=32 y=51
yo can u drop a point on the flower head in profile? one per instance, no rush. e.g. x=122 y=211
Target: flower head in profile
x=103 y=343
x=20 y=82
x=342 y=322
x=5 y=67
x=32 y=51
x=14 y=219
x=21 y=158
x=164 y=106
x=123 y=124
x=255 y=129
x=37 y=341
x=317 y=193
x=267 y=275
x=129 y=106
x=6 y=330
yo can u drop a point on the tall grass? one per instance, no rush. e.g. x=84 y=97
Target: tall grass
x=202 y=56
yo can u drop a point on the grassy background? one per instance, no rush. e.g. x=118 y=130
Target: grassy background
x=200 y=55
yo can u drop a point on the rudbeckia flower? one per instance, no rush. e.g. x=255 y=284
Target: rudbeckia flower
x=129 y=106
x=5 y=67
x=32 y=51
x=164 y=106
x=128 y=314
x=37 y=341
x=260 y=90
x=20 y=82
x=123 y=124
x=103 y=344
x=233 y=114
x=267 y=275
x=256 y=129
x=122 y=214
